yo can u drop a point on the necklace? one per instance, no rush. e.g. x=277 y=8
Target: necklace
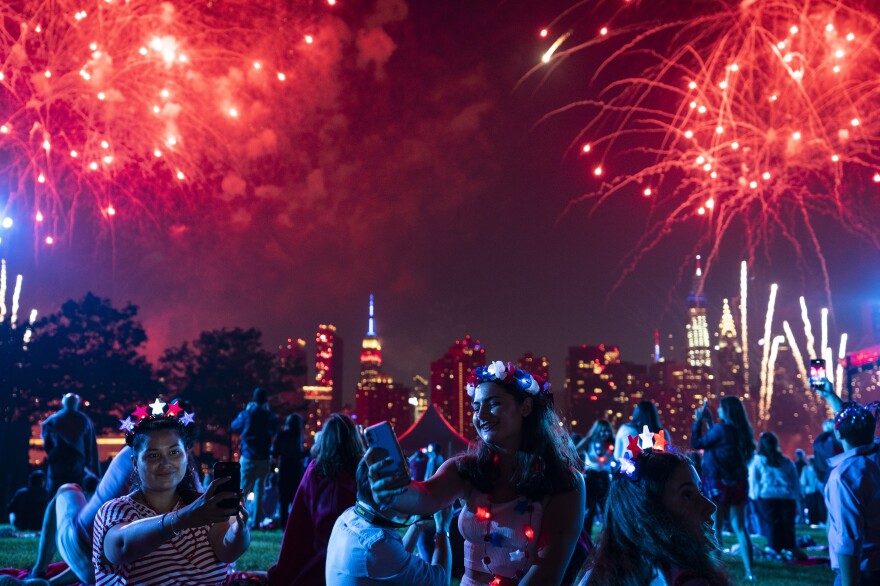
x=485 y=514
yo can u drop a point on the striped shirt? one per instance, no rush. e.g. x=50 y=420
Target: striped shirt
x=186 y=560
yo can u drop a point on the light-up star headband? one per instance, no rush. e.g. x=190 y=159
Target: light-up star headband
x=636 y=445
x=159 y=411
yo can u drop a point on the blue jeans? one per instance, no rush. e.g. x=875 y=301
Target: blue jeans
x=253 y=478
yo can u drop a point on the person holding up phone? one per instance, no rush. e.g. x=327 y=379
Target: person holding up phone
x=167 y=532
x=521 y=481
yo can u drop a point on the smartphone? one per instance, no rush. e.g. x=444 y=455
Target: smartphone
x=233 y=470
x=382 y=435
x=817 y=373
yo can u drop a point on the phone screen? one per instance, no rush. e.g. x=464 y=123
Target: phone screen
x=233 y=470
x=817 y=373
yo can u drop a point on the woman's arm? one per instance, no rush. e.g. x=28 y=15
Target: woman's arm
x=414 y=498
x=231 y=539
x=128 y=542
x=561 y=525
x=754 y=478
x=713 y=437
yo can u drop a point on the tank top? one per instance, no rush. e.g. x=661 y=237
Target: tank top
x=500 y=539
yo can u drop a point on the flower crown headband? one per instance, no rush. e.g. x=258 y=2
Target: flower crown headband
x=140 y=415
x=655 y=442
x=507 y=373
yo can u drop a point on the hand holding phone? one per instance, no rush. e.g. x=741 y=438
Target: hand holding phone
x=233 y=471
x=382 y=436
x=817 y=373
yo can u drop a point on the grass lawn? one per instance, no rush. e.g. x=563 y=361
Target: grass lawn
x=19 y=552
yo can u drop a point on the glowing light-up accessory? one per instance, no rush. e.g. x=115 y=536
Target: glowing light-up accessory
x=637 y=445
x=507 y=373
x=160 y=410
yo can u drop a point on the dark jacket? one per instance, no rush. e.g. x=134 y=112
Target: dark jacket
x=825 y=446
x=257 y=426
x=722 y=459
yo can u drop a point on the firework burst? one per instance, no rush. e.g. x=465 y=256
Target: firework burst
x=124 y=107
x=759 y=118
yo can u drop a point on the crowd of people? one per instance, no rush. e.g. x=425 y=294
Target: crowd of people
x=520 y=506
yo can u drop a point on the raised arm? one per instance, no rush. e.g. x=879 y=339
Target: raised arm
x=561 y=524
x=412 y=497
x=826 y=391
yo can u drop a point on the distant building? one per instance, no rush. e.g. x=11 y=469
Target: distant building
x=421 y=396
x=293 y=362
x=598 y=385
x=448 y=379
x=699 y=381
x=328 y=362
x=378 y=398
x=729 y=370
x=532 y=364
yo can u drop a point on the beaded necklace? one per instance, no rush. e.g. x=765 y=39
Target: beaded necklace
x=485 y=514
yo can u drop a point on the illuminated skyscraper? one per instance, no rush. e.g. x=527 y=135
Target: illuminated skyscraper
x=448 y=379
x=698 y=327
x=328 y=363
x=532 y=364
x=293 y=363
x=729 y=358
x=378 y=398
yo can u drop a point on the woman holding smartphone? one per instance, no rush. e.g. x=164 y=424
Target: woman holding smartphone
x=521 y=482
x=166 y=532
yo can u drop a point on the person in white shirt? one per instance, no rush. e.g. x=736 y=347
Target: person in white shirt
x=366 y=548
x=774 y=485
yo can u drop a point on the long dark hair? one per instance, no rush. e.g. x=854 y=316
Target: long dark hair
x=189 y=488
x=601 y=431
x=768 y=446
x=736 y=416
x=546 y=461
x=645 y=413
x=338 y=446
x=640 y=537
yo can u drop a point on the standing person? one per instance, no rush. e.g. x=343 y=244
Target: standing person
x=811 y=488
x=521 y=482
x=600 y=449
x=28 y=504
x=167 y=532
x=728 y=448
x=800 y=460
x=644 y=414
x=70 y=443
x=775 y=487
x=289 y=453
x=257 y=425
x=657 y=527
x=327 y=489
x=852 y=496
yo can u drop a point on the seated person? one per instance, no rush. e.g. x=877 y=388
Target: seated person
x=28 y=504
x=365 y=547
x=167 y=531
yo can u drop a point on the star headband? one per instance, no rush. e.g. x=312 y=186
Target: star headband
x=638 y=444
x=159 y=411
x=507 y=373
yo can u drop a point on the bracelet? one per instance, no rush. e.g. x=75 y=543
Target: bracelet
x=165 y=532
x=442 y=533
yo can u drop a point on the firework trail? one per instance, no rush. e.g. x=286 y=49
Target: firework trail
x=808 y=329
x=138 y=107
x=796 y=352
x=2 y=290
x=771 y=375
x=758 y=118
x=825 y=350
x=766 y=393
x=841 y=355
x=743 y=296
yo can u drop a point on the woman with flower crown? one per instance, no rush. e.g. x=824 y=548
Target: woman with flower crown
x=166 y=531
x=521 y=482
x=658 y=524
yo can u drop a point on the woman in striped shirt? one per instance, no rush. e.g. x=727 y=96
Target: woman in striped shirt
x=167 y=532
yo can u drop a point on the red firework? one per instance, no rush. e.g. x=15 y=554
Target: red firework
x=759 y=114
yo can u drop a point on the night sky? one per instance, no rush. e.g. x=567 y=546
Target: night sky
x=416 y=170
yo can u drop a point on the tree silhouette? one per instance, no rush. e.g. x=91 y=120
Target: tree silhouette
x=93 y=349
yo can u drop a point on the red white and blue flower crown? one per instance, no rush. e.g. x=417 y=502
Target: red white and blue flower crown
x=158 y=411
x=507 y=373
